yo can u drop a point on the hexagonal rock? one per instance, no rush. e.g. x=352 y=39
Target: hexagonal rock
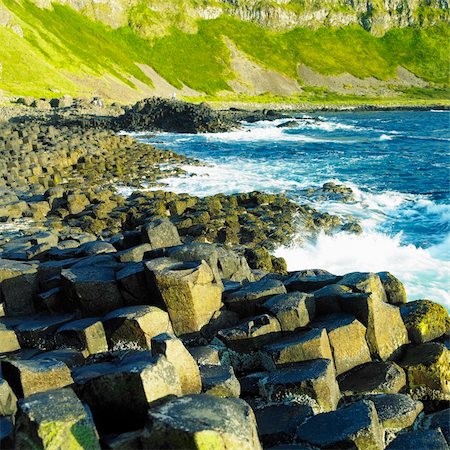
x=396 y=411
x=202 y=422
x=247 y=300
x=427 y=365
x=133 y=286
x=39 y=332
x=327 y=299
x=27 y=377
x=425 y=320
x=438 y=420
x=302 y=346
x=160 y=233
x=365 y=282
x=134 y=254
x=85 y=335
x=347 y=340
x=6 y=433
x=251 y=334
x=419 y=439
x=219 y=380
x=353 y=425
x=279 y=423
x=395 y=291
x=135 y=326
x=188 y=291
x=8 y=399
x=18 y=284
x=293 y=310
x=205 y=354
x=384 y=342
x=310 y=280
x=176 y=353
x=119 y=394
x=315 y=379
x=55 y=419
x=92 y=289
x=8 y=339
x=373 y=378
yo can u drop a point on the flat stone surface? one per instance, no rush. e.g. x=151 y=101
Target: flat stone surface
x=310 y=280
x=293 y=310
x=356 y=424
x=440 y=420
x=55 y=419
x=373 y=377
x=420 y=439
x=202 y=421
x=247 y=300
x=311 y=379
x=302 y=346
x=219 y=380
x=396 y=411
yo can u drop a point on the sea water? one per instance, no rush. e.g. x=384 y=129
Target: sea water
x=397 y=164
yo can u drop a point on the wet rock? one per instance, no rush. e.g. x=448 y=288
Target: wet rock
x=92 y=289
x=160 y=233
x=185 y=365
x=279 y=423
x=220 y=381
x=427 y=365
x=396 y=411
x=314 y=379
x=85 y=335
x=251 y=334
x=310 y=280
x=354 y=425
x=293 y=310
x=395 y=291
x=373 y=377
x=188 y=291
x=8 y=400
x=33 y=376
x=135 y=326
x=247 y=300
x=347 y=340
x=302 y=346
x=119 y=394
x=425 y=320
x=423 y=439
x=18 y=283
x=55 y=419
x=202 y=421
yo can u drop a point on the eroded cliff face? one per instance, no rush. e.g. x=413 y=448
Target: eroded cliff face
x=155 y=16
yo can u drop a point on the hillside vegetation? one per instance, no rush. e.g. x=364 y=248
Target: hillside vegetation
x=48 y=51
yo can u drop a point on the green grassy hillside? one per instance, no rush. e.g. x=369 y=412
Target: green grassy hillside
x=61 y=49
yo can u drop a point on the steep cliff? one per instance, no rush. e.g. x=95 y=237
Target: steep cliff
x=127 y=49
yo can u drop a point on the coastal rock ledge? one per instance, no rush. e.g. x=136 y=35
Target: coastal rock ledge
x=162 y=321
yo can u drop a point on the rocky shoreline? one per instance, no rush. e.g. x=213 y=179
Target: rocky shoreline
x=160 y=320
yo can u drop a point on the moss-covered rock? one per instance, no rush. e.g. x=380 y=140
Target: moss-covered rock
x=425 y=320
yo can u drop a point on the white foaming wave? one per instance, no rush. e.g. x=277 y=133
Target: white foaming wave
x=425 y=273
x=386 y=137
x=224 y=178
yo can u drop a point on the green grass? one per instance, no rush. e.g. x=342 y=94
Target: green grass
x=60 y=45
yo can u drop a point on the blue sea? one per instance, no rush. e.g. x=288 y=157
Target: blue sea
x=397 y=164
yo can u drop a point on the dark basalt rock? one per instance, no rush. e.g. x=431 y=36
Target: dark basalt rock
x=174 y=116
x=423 y=439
